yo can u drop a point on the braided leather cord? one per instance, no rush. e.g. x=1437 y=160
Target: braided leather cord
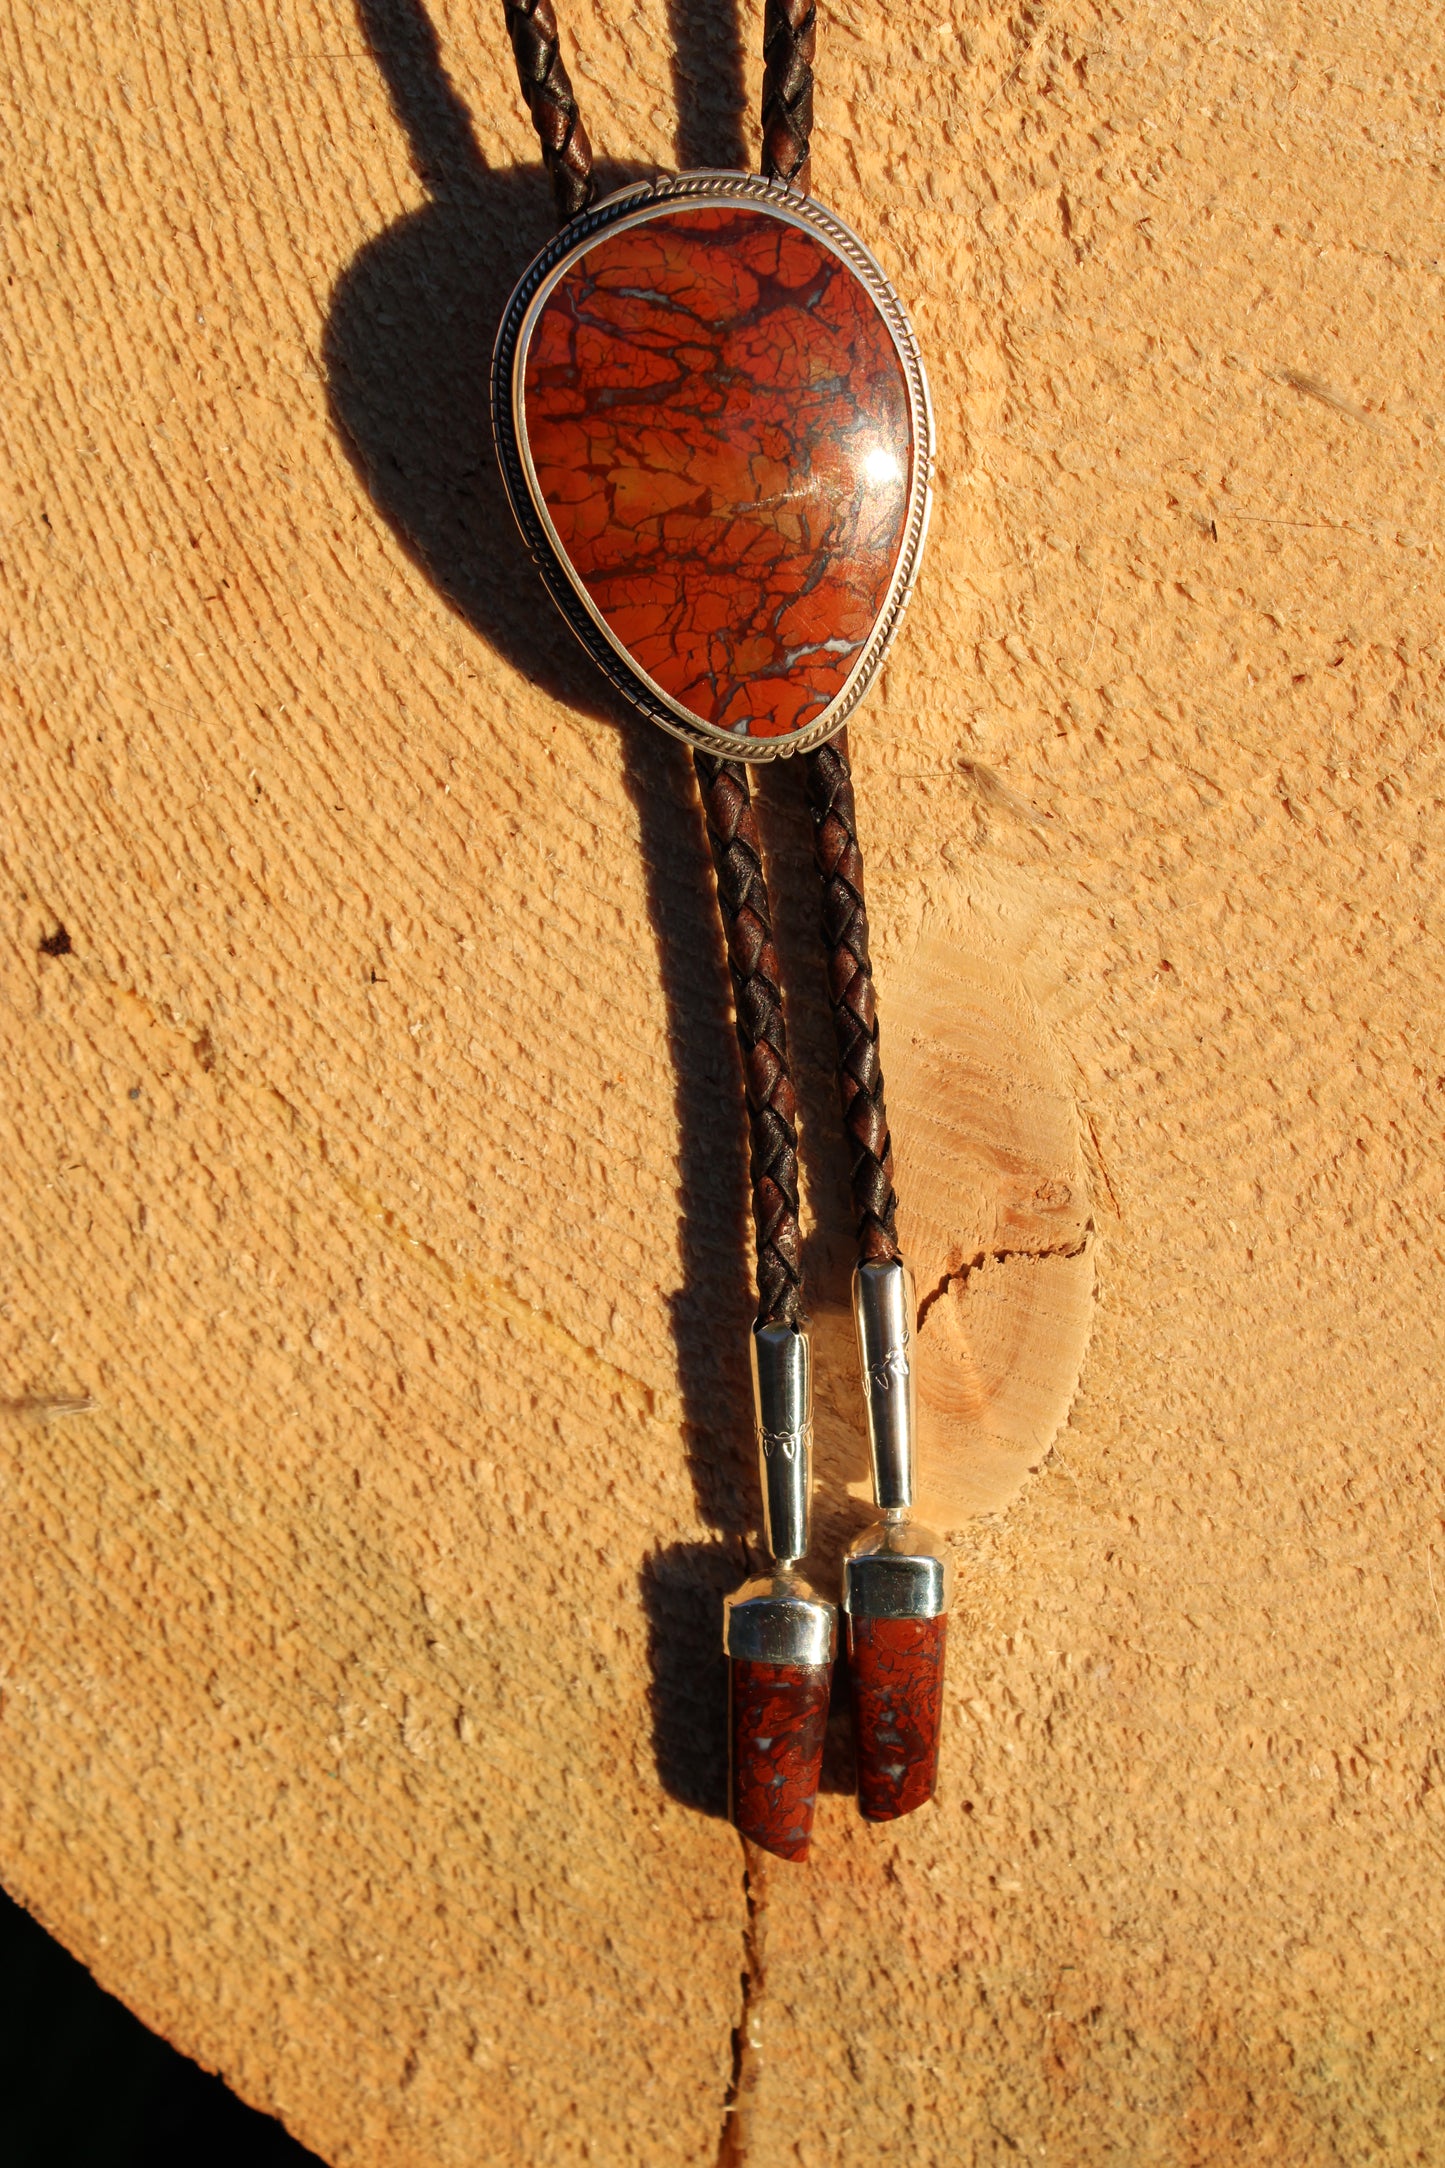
x=547 y=88
x=732 y=832
x=789 y=37
x=854 y=1003
x=789 y=34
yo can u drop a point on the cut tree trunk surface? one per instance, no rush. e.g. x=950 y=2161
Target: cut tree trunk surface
x=375 y=1433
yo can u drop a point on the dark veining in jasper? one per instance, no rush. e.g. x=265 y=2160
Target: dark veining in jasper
x=719 y=423
x=779 y=1719
x=897 y=1667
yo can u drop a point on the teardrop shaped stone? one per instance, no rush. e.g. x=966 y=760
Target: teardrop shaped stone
x=719 y=424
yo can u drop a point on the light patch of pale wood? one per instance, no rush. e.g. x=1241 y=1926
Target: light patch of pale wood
x=998 y=1229
x=998 y=1220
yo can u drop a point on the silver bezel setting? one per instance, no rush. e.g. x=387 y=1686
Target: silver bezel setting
x=634 y=207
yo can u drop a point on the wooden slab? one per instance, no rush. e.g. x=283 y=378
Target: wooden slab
x=375 y=1449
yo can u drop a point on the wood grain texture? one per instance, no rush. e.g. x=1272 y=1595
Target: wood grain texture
x=376 y=1193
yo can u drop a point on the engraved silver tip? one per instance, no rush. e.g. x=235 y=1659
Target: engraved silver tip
x=782 y=1370
x=883 y=1314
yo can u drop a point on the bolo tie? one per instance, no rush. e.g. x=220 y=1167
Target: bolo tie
x=714 y=430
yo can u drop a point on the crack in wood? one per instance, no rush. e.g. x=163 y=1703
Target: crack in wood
x=735 y=2137
x=962 y=1274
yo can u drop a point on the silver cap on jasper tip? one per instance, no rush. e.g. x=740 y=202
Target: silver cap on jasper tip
x=779 y=1619
x=895 y=1570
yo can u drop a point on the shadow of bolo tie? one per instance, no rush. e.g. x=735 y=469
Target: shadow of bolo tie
x=407 y=351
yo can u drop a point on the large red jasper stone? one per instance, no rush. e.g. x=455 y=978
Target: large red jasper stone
x=779 y=1722
x=897 y=1671
x=718 y=421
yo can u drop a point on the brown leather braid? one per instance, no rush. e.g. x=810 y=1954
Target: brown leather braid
x=850 y=990
x=789 y=41
x=732 y=832
x=789 y=35
x=547 y=88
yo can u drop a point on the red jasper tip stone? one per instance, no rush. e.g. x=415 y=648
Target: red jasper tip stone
x=779 y=1718
x=719 y=425
x=897 y=1667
